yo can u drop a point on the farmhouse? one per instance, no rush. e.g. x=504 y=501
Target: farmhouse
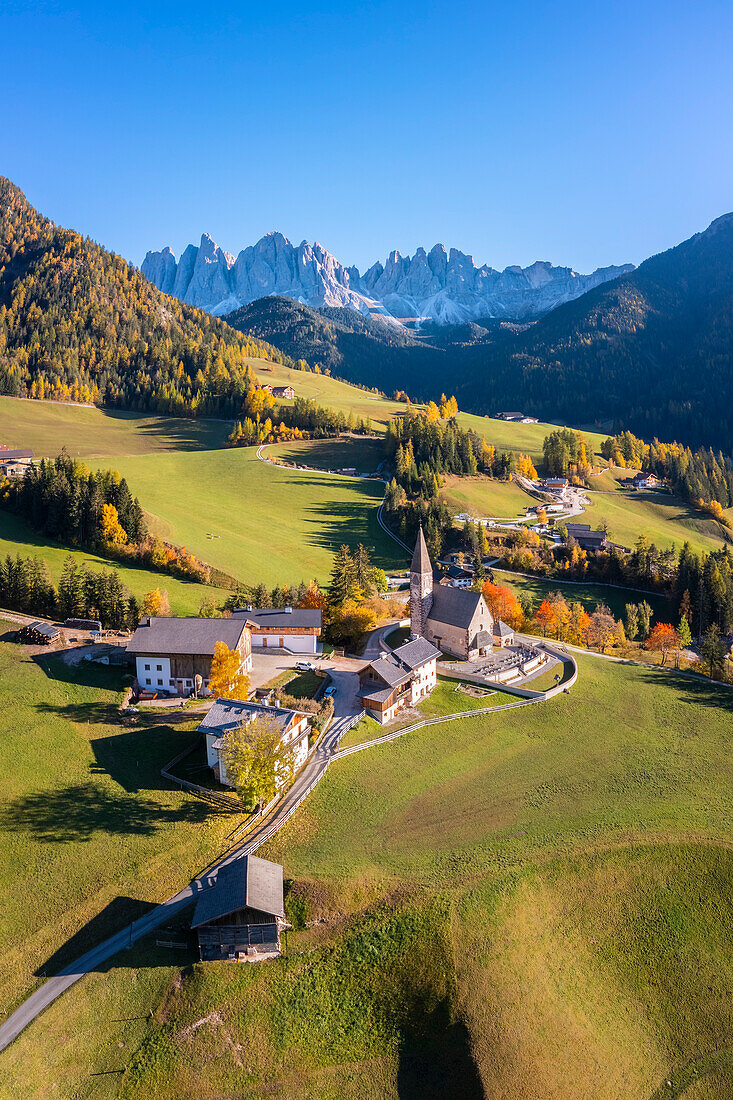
x=645 y=480
x=585 y=538
x=294 y=628
x=283 y=391
x=240 y=917
x=171 y=653
x=455 y=620
x=231 y=714
x=398 y=679
x=38 y=633
x=14 y=463
x=457 y=577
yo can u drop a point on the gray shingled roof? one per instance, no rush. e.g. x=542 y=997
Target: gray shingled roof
x=389 y=670
x=454 y=606
x=8 y=455
x=304 y=618
x=482 y=639
x=186 y=635
x=416 y=652
x=501 y=630
x=227 y=714
x=421 y=559
x=379 y=695
x=248 y=883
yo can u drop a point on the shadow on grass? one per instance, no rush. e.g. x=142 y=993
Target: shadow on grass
x=692 y=689
x=79 y=812
x=435 y=1058
x=119 y=914
x=85 y=673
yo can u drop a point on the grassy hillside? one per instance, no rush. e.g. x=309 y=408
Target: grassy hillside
x=16 y=537
x=47 y=426
x=273 y=525
x=484 y=497
x=664 y=519
x=88 y=830
x=535 y=903
x=524 y=438
x=363 y=455
x=325 y=390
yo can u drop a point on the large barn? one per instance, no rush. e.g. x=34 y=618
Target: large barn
x=240 y=917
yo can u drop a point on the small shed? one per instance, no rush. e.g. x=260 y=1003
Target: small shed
x=240 y=917
x=38 y=633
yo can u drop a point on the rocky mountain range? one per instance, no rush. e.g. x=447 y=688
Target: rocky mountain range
x=440 y=286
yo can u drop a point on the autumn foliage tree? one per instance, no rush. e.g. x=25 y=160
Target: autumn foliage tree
x=257 y=760
x=503 y=604
x=226 y=679
x=156 y=603
x=662 y=638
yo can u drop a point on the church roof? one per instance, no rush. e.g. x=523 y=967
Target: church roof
x=421 y=559
x=454 y=606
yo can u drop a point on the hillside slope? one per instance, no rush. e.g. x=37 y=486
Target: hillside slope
x=79 y=323
x=652 y=350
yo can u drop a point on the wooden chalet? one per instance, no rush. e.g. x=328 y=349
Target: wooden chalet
x=171 y=652
x=241 y=916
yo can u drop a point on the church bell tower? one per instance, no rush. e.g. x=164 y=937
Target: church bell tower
x=421 y=586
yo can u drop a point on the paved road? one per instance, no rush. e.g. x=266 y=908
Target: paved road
x=345 y=707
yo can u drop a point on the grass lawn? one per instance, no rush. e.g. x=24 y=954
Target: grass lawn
x=272 y=525
x=588 y=594
x=16 y=537
x=346 y=452
x=611 y=480
x=88 y=829
x=524 y=438
x=530 y=904
x=329 y=392
x=46 y=427
x=486 y=497
x=664 y=519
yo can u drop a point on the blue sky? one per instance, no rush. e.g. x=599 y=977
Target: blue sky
x=581 y=133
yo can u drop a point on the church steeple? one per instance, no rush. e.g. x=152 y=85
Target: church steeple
x=421 y=585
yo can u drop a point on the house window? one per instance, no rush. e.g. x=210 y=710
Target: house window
x=160 y=683
x=147 y=668
x=158 y=668
x=172 y=683
x=148 y=681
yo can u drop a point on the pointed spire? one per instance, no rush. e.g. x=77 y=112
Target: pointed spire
x=421 y=559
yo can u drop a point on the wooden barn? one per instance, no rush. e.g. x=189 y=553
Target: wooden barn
x=240 y=917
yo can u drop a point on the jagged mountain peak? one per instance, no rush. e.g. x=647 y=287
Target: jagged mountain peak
x=441 y=285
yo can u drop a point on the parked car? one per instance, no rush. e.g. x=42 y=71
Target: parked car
x=305 y=666
x=330 y=691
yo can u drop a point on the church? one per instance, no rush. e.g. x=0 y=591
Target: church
x=456 y=620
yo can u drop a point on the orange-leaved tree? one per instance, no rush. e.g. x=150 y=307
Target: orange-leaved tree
x=662 y=638
x=546 y=619
x=503 y=604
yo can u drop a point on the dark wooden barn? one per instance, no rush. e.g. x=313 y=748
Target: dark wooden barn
x=240 y=917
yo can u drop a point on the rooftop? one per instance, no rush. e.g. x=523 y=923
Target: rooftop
x=186 y=635
x=7 y=454
x=421 y=558
x=228 y=714
x=306 y=618
x=454 y=606
x=247 y=883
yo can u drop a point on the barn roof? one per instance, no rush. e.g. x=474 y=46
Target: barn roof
x=301 y=618
x=186 y=635
x=247 y=883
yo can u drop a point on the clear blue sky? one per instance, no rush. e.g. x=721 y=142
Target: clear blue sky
x=578 y=132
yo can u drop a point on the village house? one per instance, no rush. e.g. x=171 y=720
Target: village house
x=585 y=538
x=295 y=628
x=14 y=463
x=231 y=714
x=398 y=679
x=171 y=652
x=455 y=620
x=457 y=577
x=241 y=916
x=283 y=391
x=645 y=480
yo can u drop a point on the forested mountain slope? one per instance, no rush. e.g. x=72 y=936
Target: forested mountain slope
x=652 y=350
x=79 y=323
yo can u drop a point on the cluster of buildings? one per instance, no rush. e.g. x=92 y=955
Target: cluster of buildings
x=279 y=391
x=14 y=463
x=517 y=418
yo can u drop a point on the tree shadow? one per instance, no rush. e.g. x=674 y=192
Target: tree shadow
x=435 y=1058
x=81 y=811
x=85 y=673
x=700 y=691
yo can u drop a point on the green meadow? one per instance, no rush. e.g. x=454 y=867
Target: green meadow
x=17 y=537
x=88 y=830
x=664 y=519
x=532 y=903
x=269 y=525
x=48 y=426
x=484 y=497
x=523 y=438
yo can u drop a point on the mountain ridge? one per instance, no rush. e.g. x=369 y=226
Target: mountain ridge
x=440 y=285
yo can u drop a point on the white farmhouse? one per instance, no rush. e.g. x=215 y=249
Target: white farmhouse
x=230 y=714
